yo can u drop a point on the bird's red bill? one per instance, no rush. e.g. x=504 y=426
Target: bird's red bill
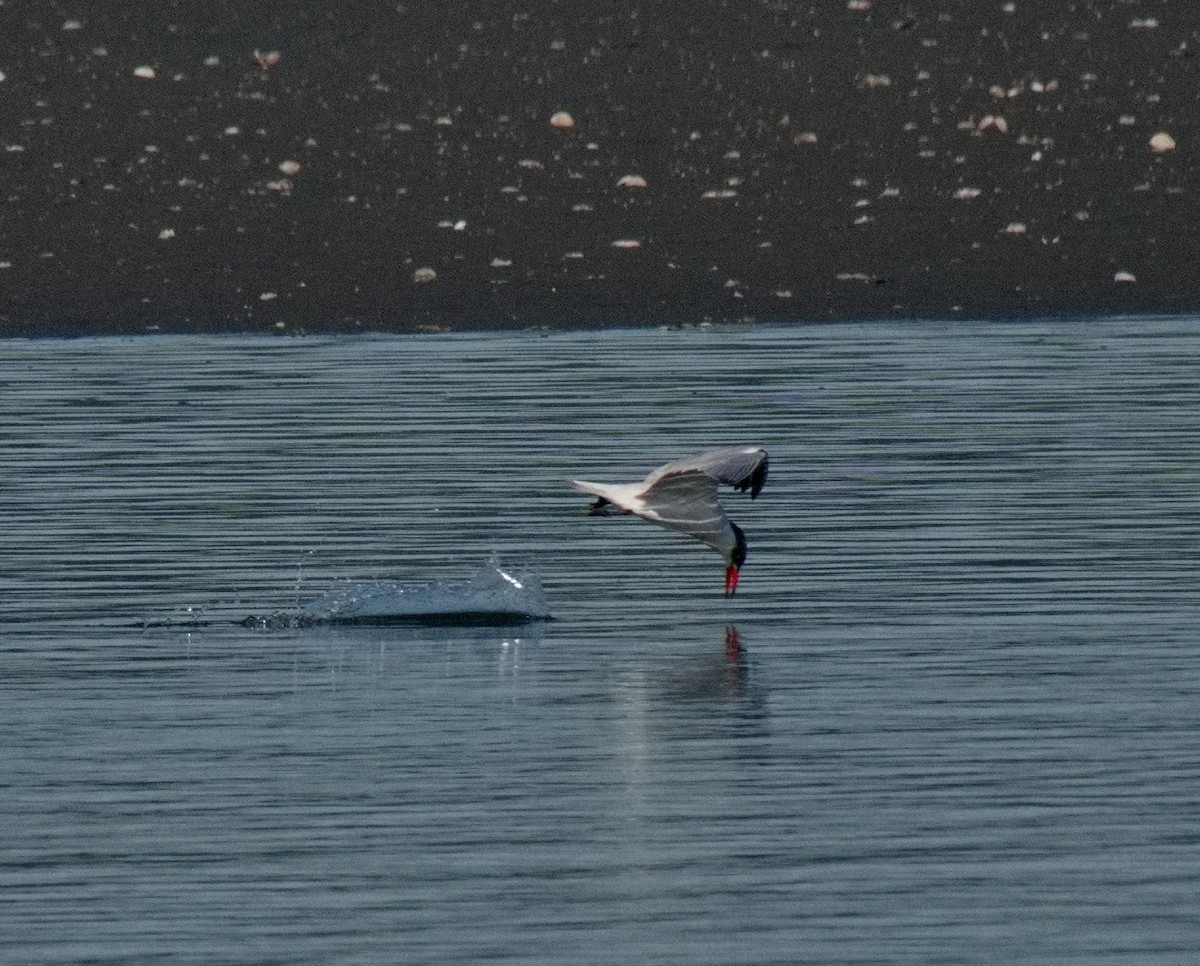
x=731 y=579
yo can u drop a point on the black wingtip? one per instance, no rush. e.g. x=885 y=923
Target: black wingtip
x=604 y=508
x=754 y=482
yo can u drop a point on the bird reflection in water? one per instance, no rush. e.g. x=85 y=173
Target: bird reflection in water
x=721 y=675
x=733 y=643
x=715 y=695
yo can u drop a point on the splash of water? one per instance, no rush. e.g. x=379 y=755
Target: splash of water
x=491 y=594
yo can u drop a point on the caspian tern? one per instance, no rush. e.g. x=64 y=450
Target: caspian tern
x=683 y=496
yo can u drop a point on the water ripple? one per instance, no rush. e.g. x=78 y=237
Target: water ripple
x=951 y=709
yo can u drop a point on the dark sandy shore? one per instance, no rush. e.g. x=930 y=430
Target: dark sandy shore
x=394 y=165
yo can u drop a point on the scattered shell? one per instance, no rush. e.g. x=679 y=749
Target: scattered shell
x=1124 y=277
x=1144 y=23
x=719 y=194
x=858 y=4
x=627 y=243
x=632 y=181
x=212 y=60
x=1162 y=142
x=424 y=275
x=268 y=296
x=166 y=234
x=267 y=60
x=872 y=81
x=1015 y=228
x=966 y=194
x=501 y=262
x=530 y=164
x=805 y=137
x=561 y=119
x=290 y=168
x=145 y=73
x=3 y=77
x=72 y=25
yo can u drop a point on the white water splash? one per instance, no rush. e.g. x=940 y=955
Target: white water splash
x=491 y=593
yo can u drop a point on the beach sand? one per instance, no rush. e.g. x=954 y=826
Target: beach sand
x=400 y=166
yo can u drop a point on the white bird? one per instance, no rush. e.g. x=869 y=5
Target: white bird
x=683 y=496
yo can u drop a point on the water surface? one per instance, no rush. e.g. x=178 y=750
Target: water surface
x=950 y=717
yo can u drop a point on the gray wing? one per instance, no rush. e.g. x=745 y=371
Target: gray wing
x=686 y=500
x=742 y=467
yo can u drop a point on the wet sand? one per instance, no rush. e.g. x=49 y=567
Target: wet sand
x=384 y=166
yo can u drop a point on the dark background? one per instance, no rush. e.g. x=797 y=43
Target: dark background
x=848 y=134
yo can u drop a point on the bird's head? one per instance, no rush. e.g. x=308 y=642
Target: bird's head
x=733 y=563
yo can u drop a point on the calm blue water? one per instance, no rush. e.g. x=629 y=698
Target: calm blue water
x=962 y=726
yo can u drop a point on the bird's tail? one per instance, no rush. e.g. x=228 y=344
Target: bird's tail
x=602 y=506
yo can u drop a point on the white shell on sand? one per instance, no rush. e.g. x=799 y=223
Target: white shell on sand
x=1162 y=142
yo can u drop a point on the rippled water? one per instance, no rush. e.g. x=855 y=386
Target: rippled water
x=952 y=715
